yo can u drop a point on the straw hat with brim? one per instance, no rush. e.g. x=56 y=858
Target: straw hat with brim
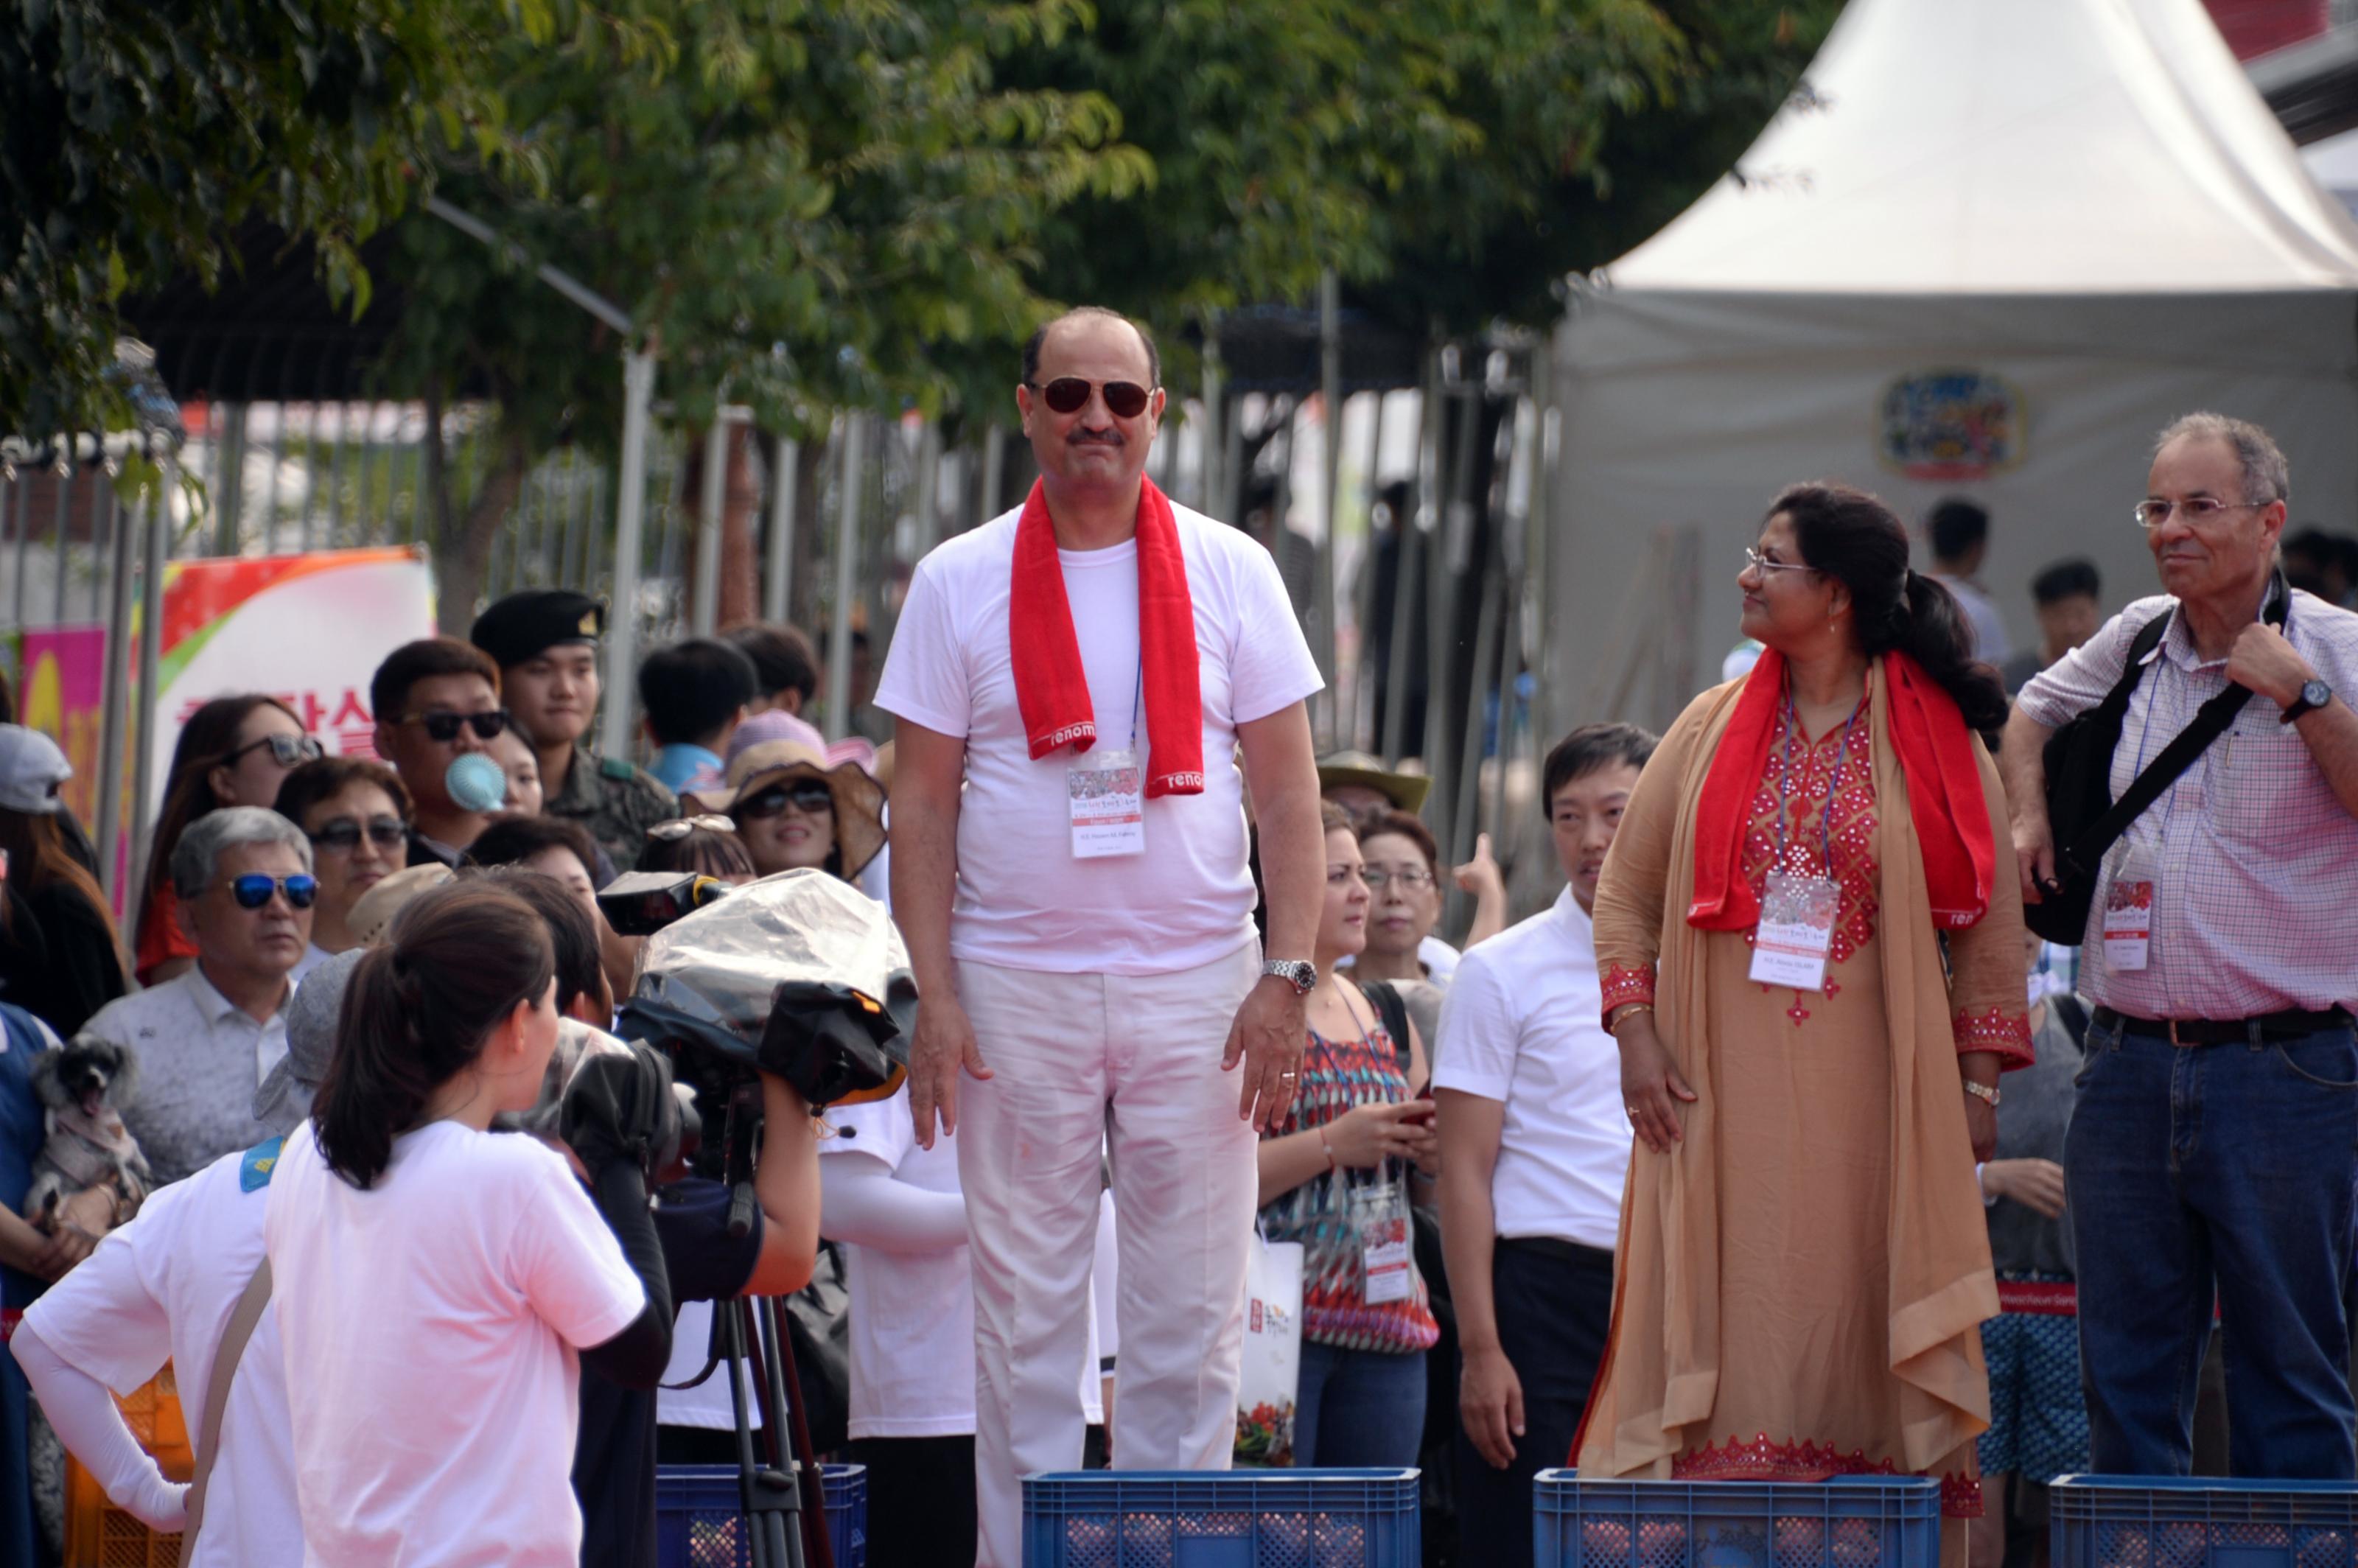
x=1349 y=769
x=373 y=912
x=858 y=799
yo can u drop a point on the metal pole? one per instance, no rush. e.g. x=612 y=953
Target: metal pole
x=1409 y=574
x=846 y=555
x=102 y=508
x=929 y=483
x=66 y=450
x=151 y=646
x=786 y=495
x=21 y=481
x=1330 y=402
x=706 y=603
x=117 y=705
x=994 y=471
x=630 y=511
x=1215 y=410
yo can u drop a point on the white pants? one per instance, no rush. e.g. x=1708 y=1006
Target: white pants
x=1077 y=1060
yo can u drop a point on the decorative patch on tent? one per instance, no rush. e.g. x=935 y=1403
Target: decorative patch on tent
x=1951 y=424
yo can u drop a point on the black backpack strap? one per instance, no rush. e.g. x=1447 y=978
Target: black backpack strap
x=1392 y=1009
x=2211 y=722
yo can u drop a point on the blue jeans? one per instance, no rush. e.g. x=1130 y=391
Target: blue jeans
x=1358 y=1409
x=2225 y=1169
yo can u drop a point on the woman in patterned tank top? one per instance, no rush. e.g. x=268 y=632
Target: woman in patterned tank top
x=1335 y=1176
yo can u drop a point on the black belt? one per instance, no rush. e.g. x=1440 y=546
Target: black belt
x=2283 y=1025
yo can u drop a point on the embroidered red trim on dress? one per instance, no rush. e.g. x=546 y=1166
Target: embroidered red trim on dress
x=2046 y=1298
x=1761 y=1460
x=1623 y=986
x=1847 y=804
x=2007 y=1034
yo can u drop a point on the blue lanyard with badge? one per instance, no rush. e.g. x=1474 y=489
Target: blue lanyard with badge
x=1798 y=909
x=1106 y=792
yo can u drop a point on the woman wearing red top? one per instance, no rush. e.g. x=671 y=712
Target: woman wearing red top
x=1335 y=1177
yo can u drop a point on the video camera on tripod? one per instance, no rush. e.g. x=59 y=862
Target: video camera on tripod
x=802 y=976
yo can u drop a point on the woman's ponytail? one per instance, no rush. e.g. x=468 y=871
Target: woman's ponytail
x=416 y=1013
x=1853 y=536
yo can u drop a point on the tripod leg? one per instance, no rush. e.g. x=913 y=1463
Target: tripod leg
x=763 y=1494
x=809 y=1528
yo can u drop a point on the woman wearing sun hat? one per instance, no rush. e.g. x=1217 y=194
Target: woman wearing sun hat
x=794 y=810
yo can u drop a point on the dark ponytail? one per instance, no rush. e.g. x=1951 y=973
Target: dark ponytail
x=1853 y=536
x=416 y=1013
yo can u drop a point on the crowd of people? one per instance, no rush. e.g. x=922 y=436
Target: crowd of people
x=1698 y=1172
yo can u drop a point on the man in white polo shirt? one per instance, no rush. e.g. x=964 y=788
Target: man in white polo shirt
x=1073 y=681
x=1534 y=1146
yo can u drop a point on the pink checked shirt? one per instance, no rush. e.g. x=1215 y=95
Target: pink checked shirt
x=2257 y=862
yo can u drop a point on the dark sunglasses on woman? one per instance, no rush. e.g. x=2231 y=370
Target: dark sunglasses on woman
x=253 y=890
x=342 y=836
x=810 y=799
x=443 y=727
x=286 y=750
x=1070 y=393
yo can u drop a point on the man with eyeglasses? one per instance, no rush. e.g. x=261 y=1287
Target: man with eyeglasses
x=206 y=1038
x=1073 y=681
x=436 y=702
x=2210 y=1152
x=546 y=643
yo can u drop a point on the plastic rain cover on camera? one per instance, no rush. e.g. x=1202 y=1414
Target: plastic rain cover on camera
x=793 y=962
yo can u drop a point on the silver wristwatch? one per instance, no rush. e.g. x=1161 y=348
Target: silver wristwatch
x=1299 y=973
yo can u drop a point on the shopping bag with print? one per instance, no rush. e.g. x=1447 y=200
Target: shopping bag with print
x=1273 y=1359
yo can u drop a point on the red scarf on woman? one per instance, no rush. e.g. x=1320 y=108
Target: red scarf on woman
x=1944 y=797
x=1051 y=690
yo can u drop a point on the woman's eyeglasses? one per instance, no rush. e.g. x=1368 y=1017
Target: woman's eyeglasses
x=1070 y=394
x=443 y=727
x=680 y=828
x=1760 y=563
x=342 y=836
x=1378 y=878
x=253 y=890
x=286 y=750
x=810 y=799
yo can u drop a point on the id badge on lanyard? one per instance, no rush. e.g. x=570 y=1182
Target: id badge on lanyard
x=2130 y=902
x=1104 y=793
x=1379 y=1220
x=1798 y=910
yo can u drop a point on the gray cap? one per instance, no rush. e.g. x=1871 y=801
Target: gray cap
x=31 y=769
x=285 y=1098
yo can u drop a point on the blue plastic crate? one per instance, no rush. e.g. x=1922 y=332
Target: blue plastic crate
x=1234 y=1518
x=2157 y=1522
x=697 y=1524
x=1856 y=1521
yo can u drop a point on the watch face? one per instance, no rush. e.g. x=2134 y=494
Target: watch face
x=2316 y=693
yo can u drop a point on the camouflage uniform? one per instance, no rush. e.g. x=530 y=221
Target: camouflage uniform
x=615 y=801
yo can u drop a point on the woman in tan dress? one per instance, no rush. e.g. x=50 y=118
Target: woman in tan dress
x=1814 y=967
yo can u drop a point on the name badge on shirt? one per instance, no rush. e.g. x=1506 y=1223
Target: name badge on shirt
x=2129 y=912
x=1796 y=931
x=1106 y=791
x=1379 y=1215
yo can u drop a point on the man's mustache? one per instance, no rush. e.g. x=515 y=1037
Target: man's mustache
x=1095 y=439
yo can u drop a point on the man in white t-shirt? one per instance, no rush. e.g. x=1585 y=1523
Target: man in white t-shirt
x=1960 y=535
x=1534 y=1147
x=1069 y=870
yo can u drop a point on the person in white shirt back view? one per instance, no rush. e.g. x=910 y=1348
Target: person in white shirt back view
x=1534 y=1147
x=435 y=1283
x=1960 y=535
x=1074 y=683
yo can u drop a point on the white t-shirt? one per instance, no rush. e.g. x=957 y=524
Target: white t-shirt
x=164 y=1287
x=1523 y=1023
x=911 y=1320
x=1991 y=644
x=429 y=1325
x=1023 y=901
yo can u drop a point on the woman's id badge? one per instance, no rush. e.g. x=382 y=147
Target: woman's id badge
x=1796 y=931
x=1379 y=1217
x=2129 y=910
x=1106 y=792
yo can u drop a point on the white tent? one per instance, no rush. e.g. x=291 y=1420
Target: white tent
x=1988 y=250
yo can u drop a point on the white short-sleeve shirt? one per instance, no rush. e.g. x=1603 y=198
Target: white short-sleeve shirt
x=1523 y=1024
x=431 y=1326
x=163 y=1287
x=1023 y=901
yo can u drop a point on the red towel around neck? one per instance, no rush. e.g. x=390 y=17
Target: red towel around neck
x=1051 y=689
x=1944 y=796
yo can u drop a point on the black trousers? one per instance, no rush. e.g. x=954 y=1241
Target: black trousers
x=920 y=1501
x=1554 y=1305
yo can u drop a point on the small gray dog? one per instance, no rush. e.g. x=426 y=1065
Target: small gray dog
x=90 y=1165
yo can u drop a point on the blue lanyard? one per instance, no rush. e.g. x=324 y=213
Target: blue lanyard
x=1833 y=782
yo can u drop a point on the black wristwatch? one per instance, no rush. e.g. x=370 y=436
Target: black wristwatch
x=2313 y=694
x=1299 y=973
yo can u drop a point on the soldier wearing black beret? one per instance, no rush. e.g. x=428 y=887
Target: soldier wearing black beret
x=545 y=643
